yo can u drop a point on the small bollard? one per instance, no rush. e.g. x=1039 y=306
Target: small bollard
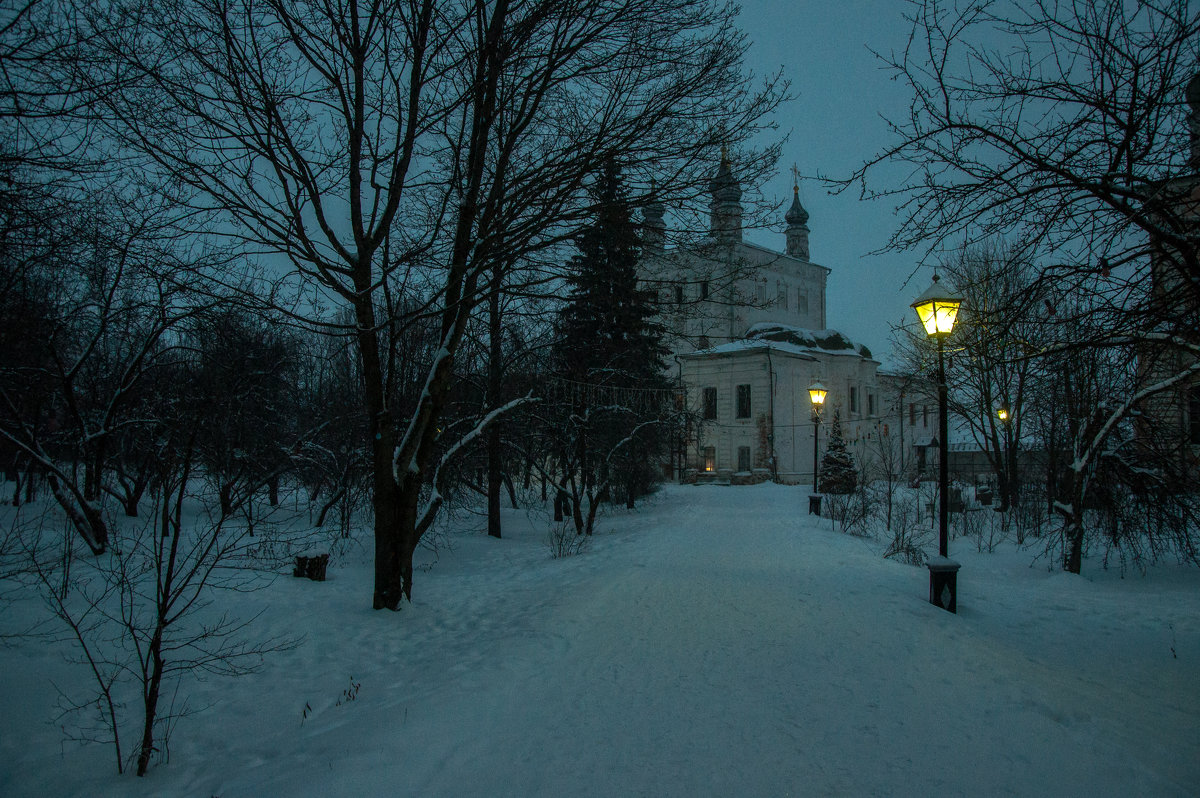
x=943 y=583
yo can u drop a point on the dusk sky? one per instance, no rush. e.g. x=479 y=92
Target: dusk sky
x=840 y=91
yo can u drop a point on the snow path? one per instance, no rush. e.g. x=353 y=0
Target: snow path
x=715 y=643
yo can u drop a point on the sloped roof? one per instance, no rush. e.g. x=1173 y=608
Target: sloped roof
x=826 y=341
x=788 y=339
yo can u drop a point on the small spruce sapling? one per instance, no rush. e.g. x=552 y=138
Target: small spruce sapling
x=839 y=475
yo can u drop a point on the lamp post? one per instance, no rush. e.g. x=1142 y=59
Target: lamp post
x=937 y=309
x=1005 y=467
x=816 y=395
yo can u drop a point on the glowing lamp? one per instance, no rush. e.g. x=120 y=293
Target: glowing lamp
x=816 y=393
x=937 y=309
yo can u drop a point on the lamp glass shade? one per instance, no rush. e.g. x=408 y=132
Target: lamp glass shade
x=816 y=394
x=938 y=309
x=1003 y=413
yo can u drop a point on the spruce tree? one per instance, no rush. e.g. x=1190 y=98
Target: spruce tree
x=609 y=352
x=839 y=475
x=608 y=334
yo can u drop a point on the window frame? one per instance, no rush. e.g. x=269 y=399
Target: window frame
x=745 y=401
x=708 y=403
x=744 y=450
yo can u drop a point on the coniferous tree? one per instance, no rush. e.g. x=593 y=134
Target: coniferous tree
x=839 y=476
x=610 y=357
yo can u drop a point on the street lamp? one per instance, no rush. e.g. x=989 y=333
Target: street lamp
x=937 y=309
x=816 y=394
x=1006 y=468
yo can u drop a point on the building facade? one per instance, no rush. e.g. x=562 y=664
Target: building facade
x=749 y=334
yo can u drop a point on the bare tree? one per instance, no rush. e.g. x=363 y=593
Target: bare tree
x=992 y=351
x=392 y=154
x=1061 y=128
x=138 y=617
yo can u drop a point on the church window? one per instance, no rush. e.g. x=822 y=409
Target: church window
x=870 y=404
x=703 y=342
x=801 y=301
x=679 y=295
x=783 y=296
x=704 y=289
x=710 y=458
x=743 y=401
x=924 y=415
x=743 y=458
x=853 y=399
x=710 y=404
x=912 y=414
x=1194 y=414
x=760 y=293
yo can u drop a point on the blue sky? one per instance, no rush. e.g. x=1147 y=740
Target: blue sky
x=840 y=91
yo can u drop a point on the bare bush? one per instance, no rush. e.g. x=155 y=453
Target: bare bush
x=564 y=541
x=140 y=618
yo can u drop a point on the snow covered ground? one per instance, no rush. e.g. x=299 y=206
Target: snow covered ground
x=716 y=641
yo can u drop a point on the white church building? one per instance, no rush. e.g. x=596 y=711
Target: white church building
x=749 y=335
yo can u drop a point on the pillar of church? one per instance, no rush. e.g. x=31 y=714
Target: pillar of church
x=797 y=227
x=654 y=229
x=725 y=217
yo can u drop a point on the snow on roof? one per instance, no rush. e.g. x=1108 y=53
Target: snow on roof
x=752 y=345
x=790 y=340
x=825 y=341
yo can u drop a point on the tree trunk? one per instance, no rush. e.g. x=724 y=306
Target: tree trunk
x=85 y=517
x=1073 y=556
x=273 y=490
x=334 y=499
x=150 y=703
x=494 y=479
x=226 y=495
x=512 y=491
x=495 y=384
x=93 y=468
x=388 y=582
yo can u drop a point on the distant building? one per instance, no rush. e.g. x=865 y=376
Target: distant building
x=749 y=334
x=1168 y=426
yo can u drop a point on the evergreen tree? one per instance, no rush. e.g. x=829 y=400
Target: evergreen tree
x=610 y=358
x=608 y=335
x=839 y=475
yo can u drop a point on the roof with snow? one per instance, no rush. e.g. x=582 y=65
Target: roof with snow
x=791 y=340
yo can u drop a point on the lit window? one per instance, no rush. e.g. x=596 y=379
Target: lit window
x=710 y=458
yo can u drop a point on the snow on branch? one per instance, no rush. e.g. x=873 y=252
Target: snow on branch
x=1083 y=458
x=429 y=512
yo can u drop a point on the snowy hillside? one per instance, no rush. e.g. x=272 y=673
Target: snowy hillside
x=716 y=641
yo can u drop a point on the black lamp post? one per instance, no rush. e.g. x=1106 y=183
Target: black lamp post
x=938 y=309
x=1005 y=466
x=816 y=395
